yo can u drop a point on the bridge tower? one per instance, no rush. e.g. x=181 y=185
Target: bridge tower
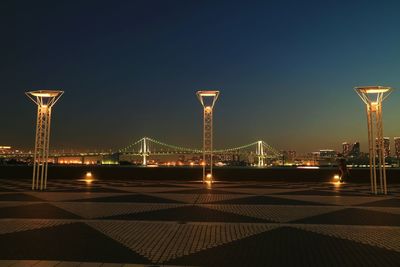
x=373 y=97
x=45 y=100
x=207 y=100
x=260 y=153
x=144 y=150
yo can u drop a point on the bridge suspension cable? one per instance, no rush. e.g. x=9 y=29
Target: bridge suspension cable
x=146 y=146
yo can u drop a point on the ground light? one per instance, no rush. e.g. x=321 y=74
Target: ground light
x=336 y=180
x=88 y=178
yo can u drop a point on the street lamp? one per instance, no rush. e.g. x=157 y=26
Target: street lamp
x=373 y=97
x=45 y=100
x=207 y=100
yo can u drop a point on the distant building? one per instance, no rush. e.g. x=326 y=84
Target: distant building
x=355 y=150
x=327 y=157
x=5 y=149
x=345 y=148
x=397 y=147
x=386 y=146
x=327 y=154
x=292 y=155
x=289 y=155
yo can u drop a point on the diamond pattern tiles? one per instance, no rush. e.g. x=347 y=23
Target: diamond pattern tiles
x=161 y=242
x=97 y=210
x=384 y=237
x=188 y=213
x=287 y=246
x=185 y=223
x=274 y=212
x=11 y=226
x=58 y=243
x=41 y=211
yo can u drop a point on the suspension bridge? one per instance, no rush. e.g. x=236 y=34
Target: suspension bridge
x=147 y=147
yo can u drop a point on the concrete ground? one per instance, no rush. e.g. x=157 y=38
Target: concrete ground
x=151 y=223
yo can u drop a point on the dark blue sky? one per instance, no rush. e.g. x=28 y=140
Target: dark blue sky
x=286 y=70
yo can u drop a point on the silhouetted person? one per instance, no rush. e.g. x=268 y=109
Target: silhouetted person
x=344 y=172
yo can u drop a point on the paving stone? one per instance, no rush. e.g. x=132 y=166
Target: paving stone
x=130 y=198
x=13 y=225
x=137 y=189
x=91 y=264
x=68 y=242
x=380 y=236
x=232 y=224
x=68 y=264
x=382 y=209
x=333 y=200
x=199 y=191
x=287 y=246
x=97 y=210
x=354 y=216
x=42 y=211
x=161 y=242
x=391 y=202
x=18 y=197
x=208 y=198
x=47 y=264
x=187 y=214
x=25 y=263
x=4 y=204
x=63 y=196
x=7 y=263
x=275 y=213
x=260 y=190
x=265 y=200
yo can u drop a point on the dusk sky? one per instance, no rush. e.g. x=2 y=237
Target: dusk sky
x=286 y=71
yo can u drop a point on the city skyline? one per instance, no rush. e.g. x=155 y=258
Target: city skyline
x=282 y=78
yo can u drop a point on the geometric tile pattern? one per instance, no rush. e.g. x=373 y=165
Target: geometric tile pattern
x=288 y=246
x=161 y=242
x=113 y=222
x=274 y=212
x=92 y=210
x=334 y=200
x=57 y=243
x=187 y=213
x=381 y=236
x=11 y=226
x=354 y=216
x=36 y=210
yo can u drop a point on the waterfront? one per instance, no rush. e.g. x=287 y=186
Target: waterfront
x=132 y=173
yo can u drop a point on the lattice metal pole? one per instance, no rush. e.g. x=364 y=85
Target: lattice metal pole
x=45 y=100
x=207 y=100
x=373 y=97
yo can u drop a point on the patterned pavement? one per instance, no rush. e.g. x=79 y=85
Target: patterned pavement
x=175 y=223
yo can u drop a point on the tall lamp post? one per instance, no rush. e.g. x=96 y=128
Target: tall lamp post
x=373 y=97
x=45 y=100
x=207 y=100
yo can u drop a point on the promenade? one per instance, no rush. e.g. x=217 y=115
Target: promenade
x=157 y=223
